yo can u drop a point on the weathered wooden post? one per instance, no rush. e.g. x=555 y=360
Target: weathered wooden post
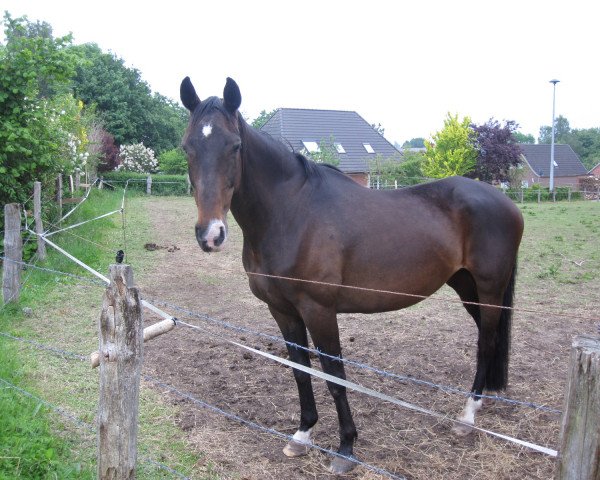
x=77 y=178
x=149 y=185
x=121 y=351
x=189 y=185
x=579 y=456
x=37 y=215
x=13 y=253
x=539 y=195
x=569 y=194
x=59 y=187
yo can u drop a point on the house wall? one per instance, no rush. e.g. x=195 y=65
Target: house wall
x=360 y=178
x=595 y=171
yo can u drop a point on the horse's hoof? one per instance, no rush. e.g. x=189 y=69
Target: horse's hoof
x=340 y=465
x=462 y=429
x=296 y=449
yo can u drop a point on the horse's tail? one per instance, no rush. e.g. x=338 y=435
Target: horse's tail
x=497 y=374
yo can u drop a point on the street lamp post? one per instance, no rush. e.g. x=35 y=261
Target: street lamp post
x=551 y=184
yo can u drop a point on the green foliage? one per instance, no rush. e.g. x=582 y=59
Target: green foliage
x=28 y=448
x=173 y=161
x=585 y=142
x=418 y=142
x=125 y=103
x=34 y=75
x=452 y=150
x=523 y=138
x=405 y=169
x=262 y=118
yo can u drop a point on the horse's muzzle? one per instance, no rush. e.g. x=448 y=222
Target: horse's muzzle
x=212 y=237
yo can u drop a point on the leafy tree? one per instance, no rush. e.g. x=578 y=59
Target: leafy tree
x=585 y=142
x=497 y=151
x=32 y=121
x=452 y=150
x=561 y=131
x=405 y=169
x=173 y=162
x=262 y=118
x=418 y=142
x=125 y=103
x=523 y=138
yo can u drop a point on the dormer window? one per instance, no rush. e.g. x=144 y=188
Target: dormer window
x=368 y=148
x=339 y=148
x=311 y=147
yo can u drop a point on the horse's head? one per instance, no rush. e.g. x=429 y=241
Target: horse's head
x=213 y=146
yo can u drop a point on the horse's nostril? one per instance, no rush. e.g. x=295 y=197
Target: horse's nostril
x=221 y=238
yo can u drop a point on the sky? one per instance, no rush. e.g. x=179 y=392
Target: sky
x=404 y=65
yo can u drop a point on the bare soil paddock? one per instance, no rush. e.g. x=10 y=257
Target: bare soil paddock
x=434 y=341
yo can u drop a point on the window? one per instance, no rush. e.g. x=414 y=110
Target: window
x=311 y=147
x=339 y=148
x=368 y=148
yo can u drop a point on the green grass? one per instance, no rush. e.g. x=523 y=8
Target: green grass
x=37 y=441
x=560 y=243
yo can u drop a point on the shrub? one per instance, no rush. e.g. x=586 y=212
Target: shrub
x=137 y=158
x=173 y=161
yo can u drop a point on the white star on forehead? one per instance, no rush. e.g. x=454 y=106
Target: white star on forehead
x=207 y=130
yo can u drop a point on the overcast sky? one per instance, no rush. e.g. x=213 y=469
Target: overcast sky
x=401 y=64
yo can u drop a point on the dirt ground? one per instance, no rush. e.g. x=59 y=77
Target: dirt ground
x=433 y=341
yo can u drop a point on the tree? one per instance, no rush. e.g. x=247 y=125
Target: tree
x=523 y=138
x=262 y=118
x=561 y=131
x=452 y=150
x=125 y=103
x=497 y=151
x=418 y=142
x=33 y=71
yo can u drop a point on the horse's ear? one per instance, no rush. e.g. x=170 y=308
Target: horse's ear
x=187 y=92
x=232 y=98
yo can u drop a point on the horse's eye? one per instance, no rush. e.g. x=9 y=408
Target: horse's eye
x=237 y=147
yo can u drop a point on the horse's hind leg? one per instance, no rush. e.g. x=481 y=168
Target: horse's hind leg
x=294 y=332
x=464 y=284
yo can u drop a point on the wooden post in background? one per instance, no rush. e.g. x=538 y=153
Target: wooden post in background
x=13 y=253
x=149 y=185
x=121 y=343
x=189 y=185
x=77 y=178
x=579 y=455
x=59 y=192
x=37 y=215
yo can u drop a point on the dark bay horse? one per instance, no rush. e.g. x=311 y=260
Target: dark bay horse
x=309 y=221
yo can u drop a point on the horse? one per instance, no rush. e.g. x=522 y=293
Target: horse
x=310 y=222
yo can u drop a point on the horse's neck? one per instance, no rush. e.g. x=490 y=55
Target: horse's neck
x=269 y=177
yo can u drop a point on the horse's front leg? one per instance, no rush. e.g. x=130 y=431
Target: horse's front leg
x=323 y=328
x=294 y=331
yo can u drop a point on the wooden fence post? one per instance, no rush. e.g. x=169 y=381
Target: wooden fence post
x=149 y=185
x=189 y=185
x=77 y=178
x=59 y=187
x=13 y=253
x=37 y=215
x=579 y=457
x=121 y=351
